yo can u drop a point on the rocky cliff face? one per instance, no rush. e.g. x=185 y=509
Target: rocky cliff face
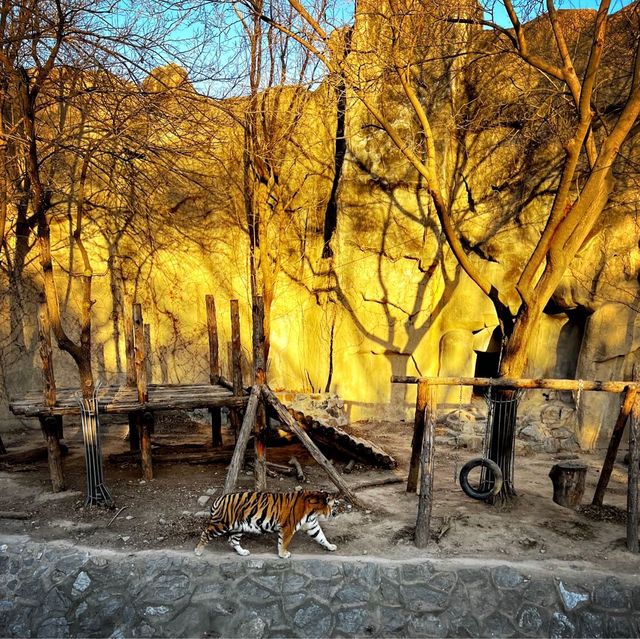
x=390 y=299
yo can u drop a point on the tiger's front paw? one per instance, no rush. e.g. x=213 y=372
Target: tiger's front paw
x=331 y=547
x=284 y=554
x=243 y=551
x=198 y=550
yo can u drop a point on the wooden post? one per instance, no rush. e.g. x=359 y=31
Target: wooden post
x=51 y=425
x=425 y=498
x=260 y=378
x=147 y=354
x=214 y=369
x=242 y=440
x=134 y=435
x=234 y=362
x=50 y=429
x=309 y=444
x=144 y=421
x=416 y=443
x=236 y=349
x=632 y=486
x=630 y=395
x=130 y=357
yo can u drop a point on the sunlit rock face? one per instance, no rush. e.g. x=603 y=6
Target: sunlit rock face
x=391 y=299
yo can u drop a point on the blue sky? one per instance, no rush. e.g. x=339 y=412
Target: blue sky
x=500 y=15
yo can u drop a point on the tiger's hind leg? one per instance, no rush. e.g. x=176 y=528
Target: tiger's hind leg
x=234 y=540
x=312 y=528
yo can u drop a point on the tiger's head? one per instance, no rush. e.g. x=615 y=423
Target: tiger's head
x=323 y=504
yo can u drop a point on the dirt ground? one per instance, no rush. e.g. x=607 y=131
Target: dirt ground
x=162 y=513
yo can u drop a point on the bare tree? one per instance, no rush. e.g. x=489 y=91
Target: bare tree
x=586 y=146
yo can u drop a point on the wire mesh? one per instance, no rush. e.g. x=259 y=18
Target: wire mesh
x=97 y=492
x=500 y=437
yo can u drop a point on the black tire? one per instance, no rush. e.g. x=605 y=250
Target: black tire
x=473 y=492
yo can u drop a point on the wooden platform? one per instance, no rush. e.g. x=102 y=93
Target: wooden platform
x=124 y=399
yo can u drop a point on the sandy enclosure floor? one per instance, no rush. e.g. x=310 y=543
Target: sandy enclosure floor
x=162 y=513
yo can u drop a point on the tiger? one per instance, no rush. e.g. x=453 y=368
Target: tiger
x=258 y=512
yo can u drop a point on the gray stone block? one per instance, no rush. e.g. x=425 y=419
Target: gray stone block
x=531 y=620
x=611 y=595
x=354 y=621
x=561 y=626
x=313 y=619
x=428 y=625
x=421 y=598
x=507 y=577
x=497 y=624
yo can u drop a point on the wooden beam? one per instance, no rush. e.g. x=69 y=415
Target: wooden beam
x=509 y=382
x=630 y=396
x=241 y=442
x=316 y=453
x=416 y=443
x=425 y=498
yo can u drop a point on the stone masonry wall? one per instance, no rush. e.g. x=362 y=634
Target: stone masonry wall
x=60 y=590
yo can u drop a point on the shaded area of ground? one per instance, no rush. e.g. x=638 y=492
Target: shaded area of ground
x=163 y=513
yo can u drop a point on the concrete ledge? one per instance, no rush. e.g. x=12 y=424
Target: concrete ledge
x=61 y=590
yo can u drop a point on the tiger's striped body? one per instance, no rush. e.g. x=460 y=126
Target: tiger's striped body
x=258 y=512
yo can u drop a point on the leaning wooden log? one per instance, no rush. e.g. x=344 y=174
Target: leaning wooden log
x=630 y=396
x=289 y=421
x=28 y=456
x=386 y=481
x=14 y=514
x=242 y=440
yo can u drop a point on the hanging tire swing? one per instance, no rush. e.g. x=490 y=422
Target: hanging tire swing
x=494 y=481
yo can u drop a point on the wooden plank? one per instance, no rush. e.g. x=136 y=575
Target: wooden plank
x=125 y=399
x=418 y=433
x=630 y=396
x=309 y=444
x=425 y=498
x=509 y=382
x=242 y=440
